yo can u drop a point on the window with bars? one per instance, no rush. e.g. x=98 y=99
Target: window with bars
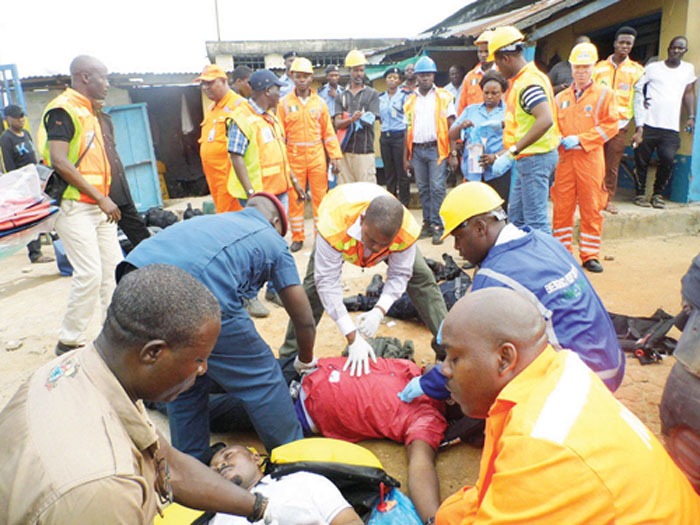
x=253 y=62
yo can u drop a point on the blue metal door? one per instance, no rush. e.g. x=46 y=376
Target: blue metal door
x=132 y=133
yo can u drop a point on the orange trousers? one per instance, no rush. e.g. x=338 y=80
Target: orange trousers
x=217 y=172
x=580 y=179
x=308 y=164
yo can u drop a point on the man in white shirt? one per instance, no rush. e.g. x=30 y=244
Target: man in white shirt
x=363 y=224
x=454 y=86
x=657 y=112
x=430 y=111
x=313 y=492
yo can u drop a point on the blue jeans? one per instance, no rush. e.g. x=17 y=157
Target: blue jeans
x=242 y=365
x=284 y=199
x=530 y=192
x=430 y=179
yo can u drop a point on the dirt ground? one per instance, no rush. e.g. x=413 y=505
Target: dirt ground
x=644 y=275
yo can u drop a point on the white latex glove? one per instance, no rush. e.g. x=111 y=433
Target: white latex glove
x=369 y=322
x=304 y=368
x=358 y=356
x=278 y=513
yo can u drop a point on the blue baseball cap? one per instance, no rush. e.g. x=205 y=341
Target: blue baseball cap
x=263 y=79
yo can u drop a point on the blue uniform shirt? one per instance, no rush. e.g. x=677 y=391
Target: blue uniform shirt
x=330 y=101
x=233 y=254
x=391 y=111
x=478 y=114
x=288 y=85
x=538 y=266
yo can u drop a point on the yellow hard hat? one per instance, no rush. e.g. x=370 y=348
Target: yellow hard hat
x=302 y=65
x=583 y=54
x=355 y=58
x=465 y=201
x=503 y=37
x=484 y=37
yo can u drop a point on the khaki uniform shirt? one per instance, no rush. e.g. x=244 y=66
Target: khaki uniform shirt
x=76 y=449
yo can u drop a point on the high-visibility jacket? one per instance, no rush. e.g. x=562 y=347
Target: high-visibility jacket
x=518 y=122
x=442 y=101
x=266 y=156
x=308 y=126
x=560 y=448
x=213 y=151
x=471 y=89
x=621 y=80
x=340 y=209
x=94 y=166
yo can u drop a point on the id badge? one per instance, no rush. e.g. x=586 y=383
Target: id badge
x=393 y=113
x=212 y=132
x=267 y=135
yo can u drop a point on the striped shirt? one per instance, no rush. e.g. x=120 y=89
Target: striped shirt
x=531 y=96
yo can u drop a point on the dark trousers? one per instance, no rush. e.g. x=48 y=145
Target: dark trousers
x=502 y=186
x=34 y=248
x=666 y=143
x=132 y=224
x=392 y=145
x=421 y=288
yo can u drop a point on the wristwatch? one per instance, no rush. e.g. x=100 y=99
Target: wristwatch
x=454 y=153
x=251 y=191
x=513 y=150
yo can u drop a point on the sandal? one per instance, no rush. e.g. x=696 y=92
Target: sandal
x=657 y=201
x=639 y=200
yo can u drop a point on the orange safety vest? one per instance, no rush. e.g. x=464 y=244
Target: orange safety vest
x=518 y=122
x=471 y=88
x=266 y=156
x=213 y=140
x=621 y=80
x=340 y=209
x=442 y=101
x=308 y=125
x=94 y=166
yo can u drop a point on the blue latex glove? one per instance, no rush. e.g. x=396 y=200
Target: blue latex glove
x=496 y=125
x=358 y=125
x=502 y=164
x=570 y=142
x=411 y=391
x=368 y=118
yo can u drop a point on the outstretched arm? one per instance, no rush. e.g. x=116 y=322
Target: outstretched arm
x=297 y=305
x=423 y=483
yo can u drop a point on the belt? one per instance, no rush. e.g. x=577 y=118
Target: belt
x=431 y=144
x=389 y=134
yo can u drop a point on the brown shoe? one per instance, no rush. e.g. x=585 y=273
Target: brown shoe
x=611 y=208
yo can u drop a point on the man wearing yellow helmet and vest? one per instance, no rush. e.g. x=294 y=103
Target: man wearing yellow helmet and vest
x=70 y=140
x=471 y=89
x=363 y=224
x=530 y=134
x=356 y=109
x=430 y=111
x=537 y=266
x=587 y=117
x=310 y=134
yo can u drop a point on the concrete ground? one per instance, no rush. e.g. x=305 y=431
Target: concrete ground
x=642 y=273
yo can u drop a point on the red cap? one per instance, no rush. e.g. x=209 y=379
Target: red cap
x=280 y=208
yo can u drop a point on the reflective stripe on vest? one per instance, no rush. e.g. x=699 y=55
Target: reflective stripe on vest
x=622 y=80
x=442 y=101
x=266 y=156
x=340 y=209
x=94 y=166
x=518 y=122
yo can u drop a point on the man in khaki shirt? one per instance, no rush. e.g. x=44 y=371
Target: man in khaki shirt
x=77 y=444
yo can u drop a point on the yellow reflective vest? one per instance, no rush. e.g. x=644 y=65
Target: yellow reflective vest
x=621 y=80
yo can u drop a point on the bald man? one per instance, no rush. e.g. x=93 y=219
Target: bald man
x=559 y=447
x=77 y=443
x=363 y=224
x=70 y=140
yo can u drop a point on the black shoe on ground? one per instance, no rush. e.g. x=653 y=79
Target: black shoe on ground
x=375 y=287
x=425 y=231
x=62 y=348
x=657 y=201
x=437 y=236
x=593 y=265
x=640 y=201
x=296 y=246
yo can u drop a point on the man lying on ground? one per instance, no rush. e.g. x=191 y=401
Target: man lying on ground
x=318 y=495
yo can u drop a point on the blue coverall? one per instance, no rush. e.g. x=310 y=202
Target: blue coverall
x=233 y=254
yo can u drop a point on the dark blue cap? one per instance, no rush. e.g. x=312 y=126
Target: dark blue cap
x=289 y=54
x=14 y=111
x=263 y=79
x=395 y=70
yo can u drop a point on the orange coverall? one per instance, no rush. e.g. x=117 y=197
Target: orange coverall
x=471 y=90
x=560 y=448
x=580 y=174
x=213 y=150
x=310 y=134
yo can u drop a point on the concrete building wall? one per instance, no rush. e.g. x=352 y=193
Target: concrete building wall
x=37 y=100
